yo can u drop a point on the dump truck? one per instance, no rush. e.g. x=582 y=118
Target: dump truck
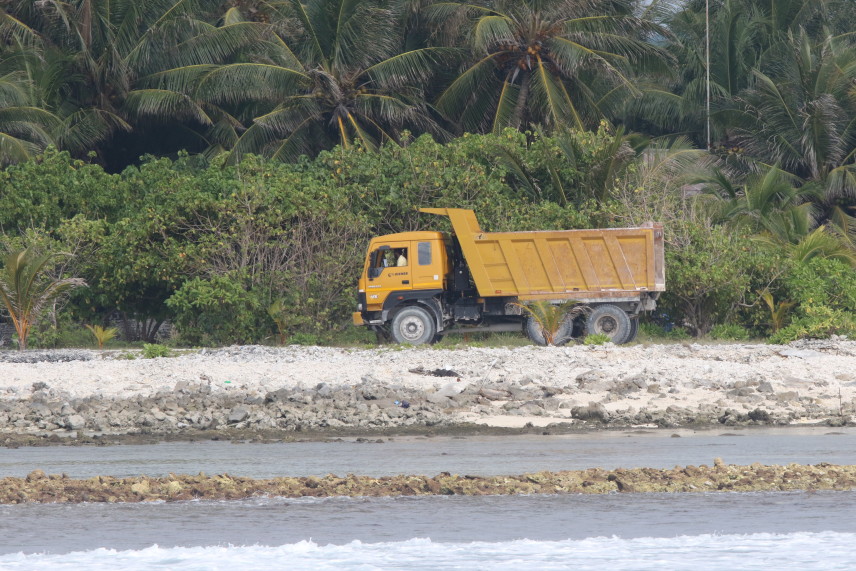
x=418 y=286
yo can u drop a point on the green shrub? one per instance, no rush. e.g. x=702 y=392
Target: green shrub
x=218 y=311
x=708 y=276
x=817 y=322
x=824 y=291
x=596 y=339
x=729 y=332
x=649 y=330
x=155 y=350
x=300 y=338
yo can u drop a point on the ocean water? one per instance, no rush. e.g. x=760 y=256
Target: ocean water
x=476 y=455
x=824 y=551
x=785 y=530
x=733 y=531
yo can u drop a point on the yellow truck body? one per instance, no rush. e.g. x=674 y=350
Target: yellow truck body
x=417 y=286
x=560 y=264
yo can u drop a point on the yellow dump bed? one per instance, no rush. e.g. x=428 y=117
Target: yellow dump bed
x=565 y=264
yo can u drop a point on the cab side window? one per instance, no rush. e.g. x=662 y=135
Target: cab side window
x=423 y=252
x=380 y=259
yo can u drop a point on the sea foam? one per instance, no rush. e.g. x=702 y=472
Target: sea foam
x=807 y=551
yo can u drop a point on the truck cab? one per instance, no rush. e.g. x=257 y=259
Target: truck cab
x=409 y=268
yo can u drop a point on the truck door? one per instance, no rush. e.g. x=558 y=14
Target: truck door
x=389 y=270
x=427 y=266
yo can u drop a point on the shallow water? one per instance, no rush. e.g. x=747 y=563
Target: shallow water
x=275 y=521
x=481 y=456
x=622 y=531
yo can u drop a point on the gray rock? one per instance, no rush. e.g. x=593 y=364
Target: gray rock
x=523 y=393
x=446 y=392
x=493 y=394
x=75 y=422
x=594 y=380
x=47 y=356
x=532 y=408
x=238 y=414
x=800 y=353
x=593 y=411
x=627 y=386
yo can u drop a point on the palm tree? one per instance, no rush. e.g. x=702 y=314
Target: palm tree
x=553 y=62
x=25 y=130
x=778 y=212
x=597 y=165
x=82 y=58
x=25 y=290
x=801 y=114
x=745 y=36
x=763 y=197
x=333 y=72
x=735 y=36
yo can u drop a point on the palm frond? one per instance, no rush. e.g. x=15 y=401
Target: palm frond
x=491 y=30
x=554 y=101
x=14 y=149
x=466 y=95
x=162 y=103
x=238 y=82
x=505 y=115
x=85 y=128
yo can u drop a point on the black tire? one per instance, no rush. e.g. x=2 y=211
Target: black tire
x=634 y=330
x=535 y=334
x=412 y=325
x=610 y=320
x=381 y=334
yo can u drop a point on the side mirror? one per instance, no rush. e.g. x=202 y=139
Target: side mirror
x=374 y=272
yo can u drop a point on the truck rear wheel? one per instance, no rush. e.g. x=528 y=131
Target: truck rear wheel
x=536 y=334
x=412 y=326
x=611 y=321
x=634 y=330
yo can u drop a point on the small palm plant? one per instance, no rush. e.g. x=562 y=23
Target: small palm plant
x=26 y=289
x=277 y=313
x=554 y=321
x=102 y=335
x=778 y=310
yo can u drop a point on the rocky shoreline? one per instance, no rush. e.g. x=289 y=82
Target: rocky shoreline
x=238 y=392
x=39 y=487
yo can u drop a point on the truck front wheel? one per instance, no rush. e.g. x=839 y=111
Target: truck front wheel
x=611 y=321
x=412 y=326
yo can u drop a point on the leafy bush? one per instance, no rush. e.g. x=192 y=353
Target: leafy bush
x=708 y=276
x=654 y=331
x=729 y=332
x=155 y=350
x=218 y=311
x=817 y=322
x=305 y=339
x=596 y=339
x=824 y=291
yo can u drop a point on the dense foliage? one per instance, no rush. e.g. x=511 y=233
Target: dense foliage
x=219 y=166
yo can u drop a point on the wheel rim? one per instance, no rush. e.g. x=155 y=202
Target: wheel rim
x=412 y=328
x=607 y=325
